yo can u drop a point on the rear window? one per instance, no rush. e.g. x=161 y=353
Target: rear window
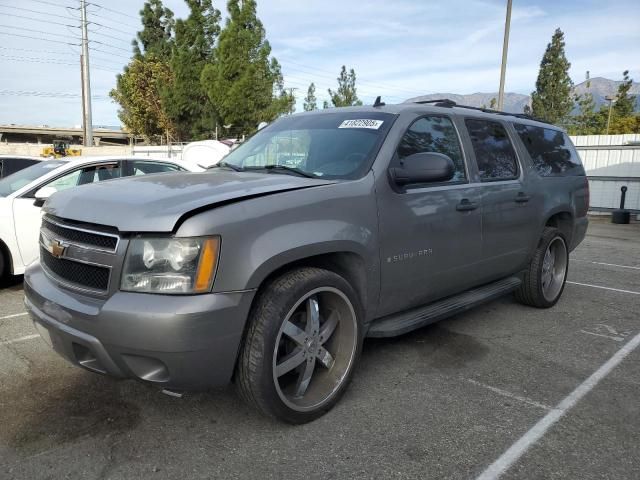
x=551 y=151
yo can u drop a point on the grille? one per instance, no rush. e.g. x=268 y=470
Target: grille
x=81 y=274
x=78 y=236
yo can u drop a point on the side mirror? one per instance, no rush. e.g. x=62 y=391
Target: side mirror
x=423 y=168
x=42 y=195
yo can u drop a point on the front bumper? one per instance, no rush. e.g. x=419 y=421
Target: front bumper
x=179 y=342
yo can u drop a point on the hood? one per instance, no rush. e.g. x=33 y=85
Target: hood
x=155 y=203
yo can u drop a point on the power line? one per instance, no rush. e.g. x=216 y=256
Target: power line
x=37 y=93
x=44 y=2
x=50 y=22
x=93 y=32
x=118 y=12
x=54 y=62
x=37 y=38
x=30 y=50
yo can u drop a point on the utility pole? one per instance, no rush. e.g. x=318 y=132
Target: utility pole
x=610 y=99
x=86 y=81
x=505 y=47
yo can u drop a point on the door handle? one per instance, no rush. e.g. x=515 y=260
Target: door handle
x=522 y=197
x=466 y=205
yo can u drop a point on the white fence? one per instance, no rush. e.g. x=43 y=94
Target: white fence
x=611 y=161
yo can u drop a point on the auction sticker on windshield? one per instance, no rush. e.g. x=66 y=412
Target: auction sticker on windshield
x=362 y=123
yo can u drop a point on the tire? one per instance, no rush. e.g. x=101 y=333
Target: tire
x=282 y=332
x=4 y=265
x=544 y=281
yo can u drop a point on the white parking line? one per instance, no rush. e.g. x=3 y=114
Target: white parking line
x=604 y=288
x=518 y=449
x=606 y=264
x=14 y=315
x=505 y=393
x=21 y=339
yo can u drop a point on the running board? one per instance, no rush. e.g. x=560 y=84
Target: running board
x=401 y=323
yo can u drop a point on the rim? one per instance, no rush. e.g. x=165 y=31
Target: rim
x=554 y=269
x=314 y=349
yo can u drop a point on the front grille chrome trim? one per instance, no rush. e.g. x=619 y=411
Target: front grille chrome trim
x=86 y=246
x=74 y=286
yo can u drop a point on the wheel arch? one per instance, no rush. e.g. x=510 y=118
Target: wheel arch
x=6 y=254
x=563 y=220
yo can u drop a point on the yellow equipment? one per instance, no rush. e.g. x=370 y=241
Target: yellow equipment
x=60 y=148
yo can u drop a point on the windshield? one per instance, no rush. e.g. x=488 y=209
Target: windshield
x=16 y=181
x=328 y=145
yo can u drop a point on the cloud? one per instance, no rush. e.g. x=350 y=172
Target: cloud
x=399 y=48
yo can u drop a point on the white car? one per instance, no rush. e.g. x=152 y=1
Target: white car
x=23 y=193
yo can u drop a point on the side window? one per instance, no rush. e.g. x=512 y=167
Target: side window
x=550 y=150
x=14 y=165
x=145 y=168
x=434 y=134
x=494 y=153
x=86 y=175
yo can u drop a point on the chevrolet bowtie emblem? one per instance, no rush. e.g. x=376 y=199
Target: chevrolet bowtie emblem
x=54 y=247
x=57 y=249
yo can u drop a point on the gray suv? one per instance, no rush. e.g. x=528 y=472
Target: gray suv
x=322 y=229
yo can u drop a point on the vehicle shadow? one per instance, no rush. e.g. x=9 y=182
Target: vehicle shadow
x=10 y=281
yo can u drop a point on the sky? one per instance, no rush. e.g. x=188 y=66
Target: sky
x=399 y=49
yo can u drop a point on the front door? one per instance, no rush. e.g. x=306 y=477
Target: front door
x=27 y=217
x=509 y=221
x=430 y=234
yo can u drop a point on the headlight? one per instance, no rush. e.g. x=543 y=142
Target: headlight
x=170 y=265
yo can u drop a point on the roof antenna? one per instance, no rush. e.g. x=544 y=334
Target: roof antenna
x=379 y=102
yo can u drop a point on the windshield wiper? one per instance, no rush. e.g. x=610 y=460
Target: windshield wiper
x=285 y=169
x=233 y=167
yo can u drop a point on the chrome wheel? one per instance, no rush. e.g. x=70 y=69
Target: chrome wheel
x=315 y=348
x=554 y=269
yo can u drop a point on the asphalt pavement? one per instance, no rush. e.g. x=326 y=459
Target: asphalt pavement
x=502 y=390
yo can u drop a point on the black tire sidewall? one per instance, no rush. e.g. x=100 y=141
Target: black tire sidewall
x=278 y=298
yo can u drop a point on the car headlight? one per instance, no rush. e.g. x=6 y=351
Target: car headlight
x=170 y=265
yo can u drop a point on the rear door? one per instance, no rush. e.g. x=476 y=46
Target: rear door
x=509 y=201
x=430 y=234
x=27 y=217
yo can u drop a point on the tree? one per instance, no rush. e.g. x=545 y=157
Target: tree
x=156 y=36
x=552 y=100
x=187 y=103
x=346 y=95
x=138 y=93
x=310 y=101
x=587 y=121
x=624 y=105
x=138 y=88
x=493 y=103
x=244 y=84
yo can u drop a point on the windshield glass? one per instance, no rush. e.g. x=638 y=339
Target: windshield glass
x=16 y=181
x=328 y=145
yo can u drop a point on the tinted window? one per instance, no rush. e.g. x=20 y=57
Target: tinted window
x=145 y=168
x=550 y=150
x=434 y=134
x=13 y=165
x=494 y=153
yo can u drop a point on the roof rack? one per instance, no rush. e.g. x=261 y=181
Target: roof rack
x=445 y=102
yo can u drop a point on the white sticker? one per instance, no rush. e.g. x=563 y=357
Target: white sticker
x=362 y=123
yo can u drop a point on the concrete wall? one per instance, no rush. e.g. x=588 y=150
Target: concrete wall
x=611 y=161
x=34 y=149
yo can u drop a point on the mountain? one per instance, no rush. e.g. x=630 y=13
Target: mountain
x=515 y=102
x=603 y=87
